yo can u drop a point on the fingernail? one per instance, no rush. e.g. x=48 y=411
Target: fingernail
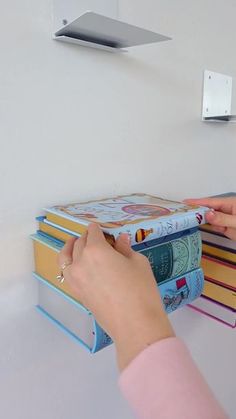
x=211 y=212
x=127 y=239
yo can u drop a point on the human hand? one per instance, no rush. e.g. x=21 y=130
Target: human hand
x=117 y=285
x=222 y=214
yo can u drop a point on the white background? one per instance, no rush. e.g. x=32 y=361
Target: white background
x=76 y=124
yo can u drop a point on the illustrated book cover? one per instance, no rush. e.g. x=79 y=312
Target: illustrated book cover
x=143 y=217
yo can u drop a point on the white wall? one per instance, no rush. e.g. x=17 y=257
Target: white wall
x=77 y=123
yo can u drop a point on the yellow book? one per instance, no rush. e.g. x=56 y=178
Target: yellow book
x=219 y=272
x=46 y=266
x=220 y=294
x=65 y=223
x=219 y=253
x=64 y=235
x=56 y=232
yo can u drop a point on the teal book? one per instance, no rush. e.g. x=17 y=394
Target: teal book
x=79 y=323
x=170 y=257
x=176 y=257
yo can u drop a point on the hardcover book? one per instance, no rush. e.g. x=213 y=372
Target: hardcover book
x=168 y=259
x=143 y=217
x=215 y=310
x=216 y=239
x=219 y=252
x=70 y=316
x=219 y=293
x=219 y=272
x=73 y=318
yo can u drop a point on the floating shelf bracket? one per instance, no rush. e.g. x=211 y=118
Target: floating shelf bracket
x=217 y=97
x=95 y=23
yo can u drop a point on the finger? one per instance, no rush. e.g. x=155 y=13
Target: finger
x=230 y=233
x=79 y=246
x=122 y=245
x=218 y=229
x=65 y=255
x=223 y=204
x=95 y=236
x=220 y=219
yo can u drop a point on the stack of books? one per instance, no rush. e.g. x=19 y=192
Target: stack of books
x=166 y=232
x=218 y=299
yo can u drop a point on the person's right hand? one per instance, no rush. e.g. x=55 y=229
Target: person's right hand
x=222 y=214
x=117 y=285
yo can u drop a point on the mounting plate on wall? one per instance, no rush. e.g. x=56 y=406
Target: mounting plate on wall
x=94 y=23
x=217 y=97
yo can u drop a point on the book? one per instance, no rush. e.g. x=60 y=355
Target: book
x=219 y=252
x=219 y=272
x=182 y=290
x=63 y=234
x=175 y=257
x=220 y=294
x=58 y=232
x=168 y=259
x=143 y=217
x=215 y=310
x=72 y=317
x=211 y=238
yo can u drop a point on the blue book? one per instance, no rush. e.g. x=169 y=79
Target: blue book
x=70 y=316
x=79 y=323
x=62 y=234
x=143 y=217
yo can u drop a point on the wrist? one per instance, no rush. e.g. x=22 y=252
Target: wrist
x=140 y=333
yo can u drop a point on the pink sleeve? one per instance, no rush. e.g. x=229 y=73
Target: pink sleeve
x=163 y=382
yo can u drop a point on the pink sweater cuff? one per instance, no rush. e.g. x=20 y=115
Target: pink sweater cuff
x=163 y=382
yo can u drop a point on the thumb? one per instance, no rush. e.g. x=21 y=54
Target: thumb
x=122 y=245
x=220 y=219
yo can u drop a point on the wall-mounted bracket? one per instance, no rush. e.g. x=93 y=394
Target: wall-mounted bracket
x=217 y=97
x=94 y=23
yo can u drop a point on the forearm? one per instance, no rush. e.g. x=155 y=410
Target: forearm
x=140 y=332
x=164 y=382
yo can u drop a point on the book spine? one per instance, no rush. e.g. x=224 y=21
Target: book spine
x=164 y=239
x=175 y=258
x=182 y=290
x=136 y=246
x=162 y=227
